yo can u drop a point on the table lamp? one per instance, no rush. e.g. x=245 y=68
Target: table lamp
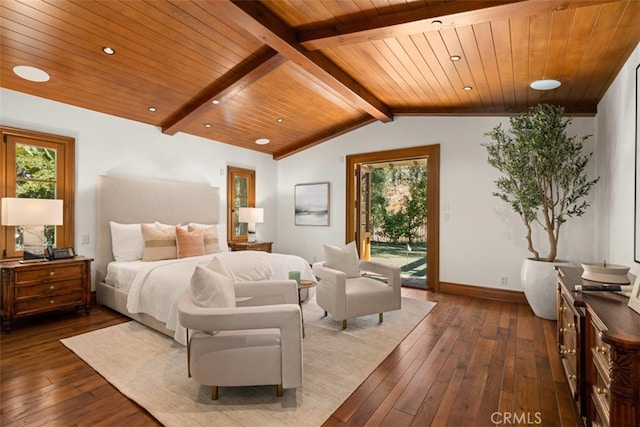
x=251 y=216
x=33 y=215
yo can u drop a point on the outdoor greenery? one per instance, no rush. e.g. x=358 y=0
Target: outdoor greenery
x=544 y=171
x=404 y=222
x=35 y=179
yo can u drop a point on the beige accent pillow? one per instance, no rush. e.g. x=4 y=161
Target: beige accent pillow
x=211 y=240
x=189 y=243
x=158 y=244
x=211 y=290
x=243 y=269
x=344 y=259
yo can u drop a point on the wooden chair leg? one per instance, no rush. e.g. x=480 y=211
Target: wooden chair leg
x=279 y=391
x=344 y=324
x=380 y=317
x=214 y=392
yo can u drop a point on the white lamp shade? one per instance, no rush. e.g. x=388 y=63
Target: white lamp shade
x=22 y=211
x=251 y=215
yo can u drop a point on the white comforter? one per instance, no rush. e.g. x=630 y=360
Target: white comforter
x=157 y=287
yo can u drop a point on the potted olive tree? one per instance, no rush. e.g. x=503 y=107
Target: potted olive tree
x=544 y=180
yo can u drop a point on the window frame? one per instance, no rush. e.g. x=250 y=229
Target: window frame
x=233 y=173
x=65 y=181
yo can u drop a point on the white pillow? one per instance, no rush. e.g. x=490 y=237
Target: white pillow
x=126 y=241
x=244 y=269
x=344 y=259
x=211 y=290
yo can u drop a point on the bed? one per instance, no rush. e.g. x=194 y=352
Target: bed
x=148 y=291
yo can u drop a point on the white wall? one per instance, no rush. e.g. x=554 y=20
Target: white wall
x=108 y=145
x=483 y=238
x=615 y=126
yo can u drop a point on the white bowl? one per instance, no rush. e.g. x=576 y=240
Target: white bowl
x=606 y=273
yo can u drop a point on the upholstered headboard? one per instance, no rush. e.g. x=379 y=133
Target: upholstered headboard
x=135 y=200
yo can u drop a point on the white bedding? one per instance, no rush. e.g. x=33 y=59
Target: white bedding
x=155 y=288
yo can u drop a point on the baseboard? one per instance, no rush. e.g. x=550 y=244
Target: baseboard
x=504 y=295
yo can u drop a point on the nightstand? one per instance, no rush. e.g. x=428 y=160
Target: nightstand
x=250 y=246
x=35 y=288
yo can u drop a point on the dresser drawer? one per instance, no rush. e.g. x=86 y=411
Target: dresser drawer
x=49 y=287
x=53 y=272
x=35 y=305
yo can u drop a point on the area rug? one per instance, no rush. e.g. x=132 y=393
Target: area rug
x=151 y=369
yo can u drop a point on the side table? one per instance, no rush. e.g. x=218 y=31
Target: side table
x=304 y=284
x=250 y=246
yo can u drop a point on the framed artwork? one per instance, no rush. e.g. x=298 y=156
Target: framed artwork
x=311 y=202
x=637 y=189
x=634 y=299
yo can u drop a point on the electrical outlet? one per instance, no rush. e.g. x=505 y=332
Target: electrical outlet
x=85 y=239
x=503 y=280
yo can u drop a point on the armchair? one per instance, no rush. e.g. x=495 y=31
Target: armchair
x=258 y=342
x=347 y=297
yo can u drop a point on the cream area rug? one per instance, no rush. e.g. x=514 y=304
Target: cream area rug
x=151 y=369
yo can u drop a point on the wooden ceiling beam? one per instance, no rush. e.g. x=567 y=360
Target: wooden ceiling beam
x=431 y=18
x=270 y=29
x=318 y=138
x=263 y=62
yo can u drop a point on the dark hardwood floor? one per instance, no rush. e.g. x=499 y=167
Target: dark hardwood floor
x=470 y=362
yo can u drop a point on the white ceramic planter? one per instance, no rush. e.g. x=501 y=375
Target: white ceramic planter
x=539 y=280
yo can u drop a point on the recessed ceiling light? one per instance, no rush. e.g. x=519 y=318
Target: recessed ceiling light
x=109 y=50
x=545 y=84
x=467 y=88
x=215 y=101
x=455 y=57
x=207 y=125
x=153 y=109
x=262 y=141
x=32 y=74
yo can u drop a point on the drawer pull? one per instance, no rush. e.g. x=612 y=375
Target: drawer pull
x=563 y=309
x=572 y=377
x=571 y=325
x=52 y=302
x=602 y=391
x=52 y=273
x=52 y=287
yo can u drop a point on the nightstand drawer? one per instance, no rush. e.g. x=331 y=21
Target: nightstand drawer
x=35 y=305
x=51 y=287
x=52 y=272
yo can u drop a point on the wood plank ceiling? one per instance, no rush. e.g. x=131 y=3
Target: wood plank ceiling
x=299 y=72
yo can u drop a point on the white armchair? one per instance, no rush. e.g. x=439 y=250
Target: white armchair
x=258 y=342
x=348 y=297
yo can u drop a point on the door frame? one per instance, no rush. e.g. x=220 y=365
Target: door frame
x=433 y=199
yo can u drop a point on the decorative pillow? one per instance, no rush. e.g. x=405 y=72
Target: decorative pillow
x=244 y=269
x=211 y=245
x=344 y=259
x=189 y=243
x=211 y=290
x=126 y=241
x=158 y=244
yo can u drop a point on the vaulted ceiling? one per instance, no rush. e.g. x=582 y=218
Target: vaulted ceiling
x=298 y=72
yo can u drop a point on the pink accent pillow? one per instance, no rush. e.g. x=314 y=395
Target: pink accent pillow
x=190 y=243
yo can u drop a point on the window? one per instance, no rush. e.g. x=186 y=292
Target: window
x=37 y=165
x=241 y=192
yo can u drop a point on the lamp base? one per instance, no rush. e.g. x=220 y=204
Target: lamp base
x=251 y=236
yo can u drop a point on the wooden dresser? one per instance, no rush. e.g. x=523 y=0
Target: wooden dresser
x=34 y=288
x=599 y=344
x=250 y=246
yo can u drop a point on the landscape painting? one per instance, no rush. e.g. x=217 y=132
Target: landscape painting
x=312 y=204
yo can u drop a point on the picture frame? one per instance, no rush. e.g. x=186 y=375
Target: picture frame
x=311 y=204
x=634 y=299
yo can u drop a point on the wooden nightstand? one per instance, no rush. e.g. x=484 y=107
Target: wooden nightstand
x=29 y=289
x=250 y=246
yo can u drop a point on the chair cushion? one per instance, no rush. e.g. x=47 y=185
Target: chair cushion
x=344 y=259
x=211 y=289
